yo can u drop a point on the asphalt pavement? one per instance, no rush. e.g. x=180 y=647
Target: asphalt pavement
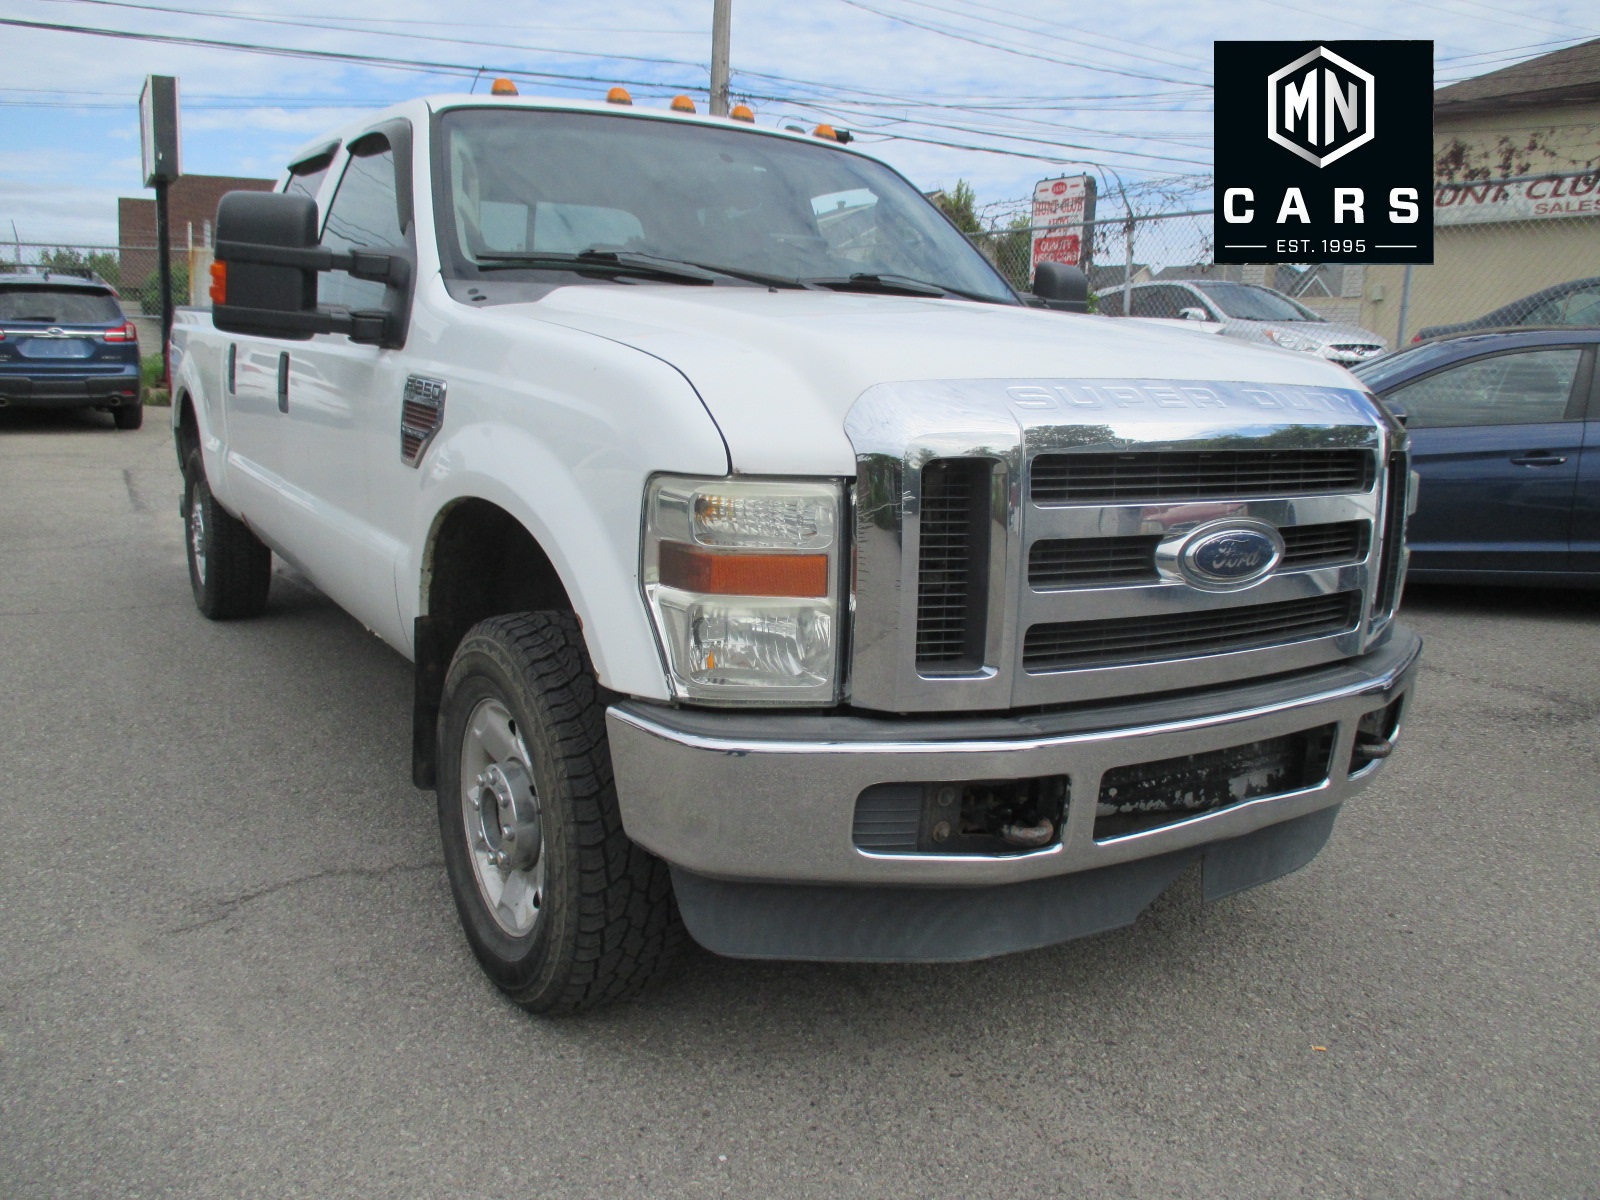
x=230 y=966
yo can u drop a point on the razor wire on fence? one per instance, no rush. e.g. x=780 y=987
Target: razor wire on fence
x=1493 y=244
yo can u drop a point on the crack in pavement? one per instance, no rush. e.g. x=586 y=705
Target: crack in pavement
x=233 y=904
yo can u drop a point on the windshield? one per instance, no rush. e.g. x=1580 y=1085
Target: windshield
x=524 y=182
x=1247 y=302
x=58 y=306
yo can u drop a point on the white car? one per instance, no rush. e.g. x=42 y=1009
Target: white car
x=1250 y=312
x=769 y=569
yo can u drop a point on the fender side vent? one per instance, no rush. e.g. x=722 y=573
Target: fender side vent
x=421 y=414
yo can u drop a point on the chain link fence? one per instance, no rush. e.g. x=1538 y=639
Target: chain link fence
x=131 y=270
x=1495 y=241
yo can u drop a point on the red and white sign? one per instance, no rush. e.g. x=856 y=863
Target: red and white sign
x=1575 y=195
x=1061 y=210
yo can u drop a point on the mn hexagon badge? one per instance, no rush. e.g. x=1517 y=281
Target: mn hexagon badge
x=1320 y=106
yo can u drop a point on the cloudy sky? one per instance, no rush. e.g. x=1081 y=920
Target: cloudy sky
x=998 y=92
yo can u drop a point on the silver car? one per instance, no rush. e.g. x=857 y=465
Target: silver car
x=1252 y=313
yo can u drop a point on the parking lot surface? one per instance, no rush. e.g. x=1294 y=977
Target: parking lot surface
x=230 y=965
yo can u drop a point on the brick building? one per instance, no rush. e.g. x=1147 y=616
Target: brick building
x=191 y=205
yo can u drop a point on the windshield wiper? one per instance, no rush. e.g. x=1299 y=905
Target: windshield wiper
x=611 y=262
x=902 y=285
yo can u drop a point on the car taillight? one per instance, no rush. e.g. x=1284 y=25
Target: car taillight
x=128 y=333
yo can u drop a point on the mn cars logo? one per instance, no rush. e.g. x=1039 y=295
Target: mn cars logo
x=1320 y=107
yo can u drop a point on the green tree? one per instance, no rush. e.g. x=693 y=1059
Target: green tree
x=103 y=263
x=960 y=204
x=1013 y=251
x=150 y=292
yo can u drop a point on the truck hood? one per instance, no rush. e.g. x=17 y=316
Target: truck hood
x=778 y=370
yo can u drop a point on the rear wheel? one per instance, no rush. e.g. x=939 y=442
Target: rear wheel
x=230 y=569
x=129 y=416
x=563 y=911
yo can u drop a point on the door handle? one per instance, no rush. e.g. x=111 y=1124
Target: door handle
x=1538 y=458
x=283 y=382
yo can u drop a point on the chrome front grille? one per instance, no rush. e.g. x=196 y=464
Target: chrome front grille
x=1093 y=562
x=1126 y=641
x=950 y=574
x=1022 y=545
x=1197 y=475
x=1105 y=562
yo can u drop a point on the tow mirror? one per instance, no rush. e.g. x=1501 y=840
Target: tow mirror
x=264 y=277
x=1062 y=287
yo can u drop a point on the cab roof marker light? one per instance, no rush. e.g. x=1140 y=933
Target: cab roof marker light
x=619 y=95
x=502 y=87
x=741 y=112
x=825 y=131
x=682 y=104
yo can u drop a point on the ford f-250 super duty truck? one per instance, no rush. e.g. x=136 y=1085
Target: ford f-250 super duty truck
x=769 y=567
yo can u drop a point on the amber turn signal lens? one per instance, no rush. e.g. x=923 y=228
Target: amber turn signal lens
x=696 y=570
x=219 y=282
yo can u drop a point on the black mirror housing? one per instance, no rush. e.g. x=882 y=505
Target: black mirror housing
x=265 y=274
x=1062 y=287
x=253 y=296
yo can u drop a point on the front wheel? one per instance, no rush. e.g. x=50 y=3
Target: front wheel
x=563 y=911
x=230 y=570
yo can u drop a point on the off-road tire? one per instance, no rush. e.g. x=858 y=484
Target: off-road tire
x=128 y=416
x=609 y=924
x=232 y=578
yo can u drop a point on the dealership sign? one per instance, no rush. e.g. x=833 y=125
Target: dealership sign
x=1324 y=152
x=1063 y=217
x=1572 y=195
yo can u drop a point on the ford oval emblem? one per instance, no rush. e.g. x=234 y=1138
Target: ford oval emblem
x=1231 y=556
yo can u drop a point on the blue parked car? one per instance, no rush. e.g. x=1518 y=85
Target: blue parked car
x=65 y=343
x=1505 y=432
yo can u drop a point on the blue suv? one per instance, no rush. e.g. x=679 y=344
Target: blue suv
x=65 y=343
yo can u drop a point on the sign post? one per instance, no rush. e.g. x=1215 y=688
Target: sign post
x=1063 y=217
x=158 y=146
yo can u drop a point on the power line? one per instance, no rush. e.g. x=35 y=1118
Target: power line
x=552 y=78
x=173 y=10
x=1078 y=34
x=1063 y=62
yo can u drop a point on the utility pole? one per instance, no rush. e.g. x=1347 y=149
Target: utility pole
x=721 y=21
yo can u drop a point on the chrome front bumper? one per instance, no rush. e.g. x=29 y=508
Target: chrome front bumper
x=771 y=798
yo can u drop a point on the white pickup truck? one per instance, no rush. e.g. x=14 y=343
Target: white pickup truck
x=770 y=568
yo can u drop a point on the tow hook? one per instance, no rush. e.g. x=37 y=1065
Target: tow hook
x=1032 y=835
x=1372 y=747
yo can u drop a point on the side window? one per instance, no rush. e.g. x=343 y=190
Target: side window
x=305 y=179
x=1503 y=389
x=364 y=212
x=1156 y=302
x=1581 y=308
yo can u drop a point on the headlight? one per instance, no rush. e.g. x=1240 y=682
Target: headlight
x=743 y=579
x=1293 y=341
